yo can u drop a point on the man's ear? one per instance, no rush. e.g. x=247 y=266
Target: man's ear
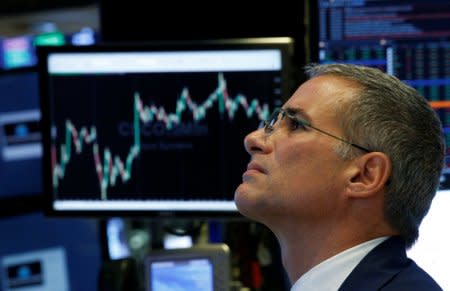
x=368 y=174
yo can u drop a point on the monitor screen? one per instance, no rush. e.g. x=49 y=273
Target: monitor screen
x=408 y=39
x=21 y=185
x=155 y=128
x=20 y=137
x=204 y=268
x=41 y=253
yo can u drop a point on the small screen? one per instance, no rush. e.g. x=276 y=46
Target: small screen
x=204 y=267
x=116 y=237
x=192 y=274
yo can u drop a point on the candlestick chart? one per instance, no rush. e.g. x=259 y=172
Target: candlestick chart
x=155 y=136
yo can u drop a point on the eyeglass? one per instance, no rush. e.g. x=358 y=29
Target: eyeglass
x=295 y=123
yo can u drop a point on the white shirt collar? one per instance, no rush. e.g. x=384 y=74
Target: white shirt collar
x=331 y=273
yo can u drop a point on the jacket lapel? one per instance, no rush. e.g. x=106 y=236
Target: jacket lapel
x=378 y=267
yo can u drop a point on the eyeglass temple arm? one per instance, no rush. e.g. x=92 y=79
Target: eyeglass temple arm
x=340 y=139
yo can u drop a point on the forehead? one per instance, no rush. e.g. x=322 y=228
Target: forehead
x=320 y=96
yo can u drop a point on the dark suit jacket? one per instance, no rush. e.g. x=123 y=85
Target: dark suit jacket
x=386 y=267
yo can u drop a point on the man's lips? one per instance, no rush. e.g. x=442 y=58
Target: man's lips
x=254 y=167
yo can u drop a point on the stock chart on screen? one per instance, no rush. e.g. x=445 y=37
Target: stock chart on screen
x=154 y=130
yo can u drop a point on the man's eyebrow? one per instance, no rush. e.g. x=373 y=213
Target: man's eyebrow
x=297 y=112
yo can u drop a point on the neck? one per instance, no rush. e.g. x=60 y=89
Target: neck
x=302 y=252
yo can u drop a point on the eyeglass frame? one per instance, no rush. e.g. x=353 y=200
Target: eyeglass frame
x=268 y=126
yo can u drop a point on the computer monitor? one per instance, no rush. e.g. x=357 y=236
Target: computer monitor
x=20 y=136
x=52 y=254
x=203 y=268
x=155 y=128
x=21 y=185
x=408 y=39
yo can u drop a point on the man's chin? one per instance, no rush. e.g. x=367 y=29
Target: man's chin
x=241 y=195
x=245 y=202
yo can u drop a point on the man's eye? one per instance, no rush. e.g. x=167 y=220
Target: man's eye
x=296 y=124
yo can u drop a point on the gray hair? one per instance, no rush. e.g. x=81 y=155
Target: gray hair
x=389 y=116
